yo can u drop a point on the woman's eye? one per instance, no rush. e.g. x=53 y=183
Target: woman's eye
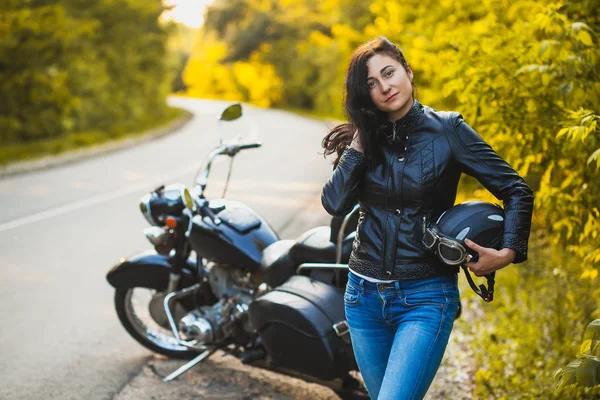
x=389 y=73
x=371 y=84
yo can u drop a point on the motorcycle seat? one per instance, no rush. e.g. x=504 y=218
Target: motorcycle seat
x=280 y=259
x=315 y=246
x=275 y=265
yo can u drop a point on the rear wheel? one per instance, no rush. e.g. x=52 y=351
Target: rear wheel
x=133 y=306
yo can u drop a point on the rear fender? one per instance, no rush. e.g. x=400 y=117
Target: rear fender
x=150 y=270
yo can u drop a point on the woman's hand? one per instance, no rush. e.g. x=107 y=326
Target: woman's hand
x=490 y=260
x=357 y=142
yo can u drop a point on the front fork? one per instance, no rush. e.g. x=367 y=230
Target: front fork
x=182 y=250
x=181 y=254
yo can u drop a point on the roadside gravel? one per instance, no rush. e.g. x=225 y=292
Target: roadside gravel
x=225 y=377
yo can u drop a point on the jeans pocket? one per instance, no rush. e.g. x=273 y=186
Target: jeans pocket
x=351 y=296
x=426 y=298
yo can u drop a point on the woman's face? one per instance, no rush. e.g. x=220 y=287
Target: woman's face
x=390 y=86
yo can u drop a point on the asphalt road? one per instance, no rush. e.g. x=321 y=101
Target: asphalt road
x=62 y=229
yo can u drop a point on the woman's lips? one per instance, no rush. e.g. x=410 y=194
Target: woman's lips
x=391 y=97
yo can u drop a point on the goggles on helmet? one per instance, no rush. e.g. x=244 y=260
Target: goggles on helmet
x=449 y=250
x=452 y=252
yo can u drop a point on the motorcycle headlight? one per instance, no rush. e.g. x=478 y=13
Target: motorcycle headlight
x=145 y=208
x=170 y=200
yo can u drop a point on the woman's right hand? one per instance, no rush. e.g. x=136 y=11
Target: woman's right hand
x=357 y=143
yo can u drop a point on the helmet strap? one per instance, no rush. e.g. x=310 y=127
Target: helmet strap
x=487 y=294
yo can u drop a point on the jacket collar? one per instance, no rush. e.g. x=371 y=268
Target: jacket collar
x=404 y=124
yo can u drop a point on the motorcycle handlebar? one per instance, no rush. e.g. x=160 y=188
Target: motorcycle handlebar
x=249 y=146
x=233 y=149
x=229 y=150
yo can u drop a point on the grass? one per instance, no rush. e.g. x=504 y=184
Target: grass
x=74 y=141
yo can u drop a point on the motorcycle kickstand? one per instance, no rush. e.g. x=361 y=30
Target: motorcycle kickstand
x=192 y=363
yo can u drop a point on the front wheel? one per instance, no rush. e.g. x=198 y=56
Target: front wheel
x=133 y=306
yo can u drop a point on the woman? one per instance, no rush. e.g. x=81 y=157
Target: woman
x=401 y=161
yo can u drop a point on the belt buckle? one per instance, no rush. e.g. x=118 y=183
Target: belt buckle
x=341 y=328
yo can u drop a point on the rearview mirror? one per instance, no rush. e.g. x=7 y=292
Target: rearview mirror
x=231 y=113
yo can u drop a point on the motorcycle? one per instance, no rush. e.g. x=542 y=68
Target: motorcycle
x=219 y=278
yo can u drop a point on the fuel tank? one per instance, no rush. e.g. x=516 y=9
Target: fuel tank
x=239 y=238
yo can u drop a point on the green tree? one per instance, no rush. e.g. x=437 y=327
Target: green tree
x=76 y=65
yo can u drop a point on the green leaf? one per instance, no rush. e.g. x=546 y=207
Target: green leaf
x=562 y=132
x=543 y=47
x=595 y=156
x=585 y=38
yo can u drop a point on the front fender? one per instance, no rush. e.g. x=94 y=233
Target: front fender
x=148 y=269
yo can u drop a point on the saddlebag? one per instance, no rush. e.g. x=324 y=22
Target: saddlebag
x=296 y=324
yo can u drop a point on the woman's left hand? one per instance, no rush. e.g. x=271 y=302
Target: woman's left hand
x=490 y=260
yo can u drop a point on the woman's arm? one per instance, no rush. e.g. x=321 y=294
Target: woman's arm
x=340 y=192
x=479 y=160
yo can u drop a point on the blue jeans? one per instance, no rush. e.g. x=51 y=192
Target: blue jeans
x=399 y=332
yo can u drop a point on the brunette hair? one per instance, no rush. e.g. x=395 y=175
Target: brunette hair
x=361 y=113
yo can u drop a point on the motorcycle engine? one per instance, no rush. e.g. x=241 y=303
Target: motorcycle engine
x=227 y=318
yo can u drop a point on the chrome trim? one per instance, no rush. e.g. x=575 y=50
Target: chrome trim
x=321 y=266
x=340 y=238
x=433 y=233
x=202 y=181
x=219 y=131
x=341 y=328
x=167 y=305
x=150 y=333
x=190 y=216
x=222 y=149
x=438 y=240
x=198 y=328
x=173 y=282
x=145 y=200
x=454 y=246
x=189 y=365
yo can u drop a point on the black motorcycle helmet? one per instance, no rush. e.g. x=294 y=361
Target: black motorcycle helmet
x=479 y=221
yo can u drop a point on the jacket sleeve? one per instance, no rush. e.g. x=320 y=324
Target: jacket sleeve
x=340 y=192
x=479 y=160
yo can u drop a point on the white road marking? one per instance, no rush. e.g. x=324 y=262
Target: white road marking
x=310 y=189
x=95 y=200
x=60 y=210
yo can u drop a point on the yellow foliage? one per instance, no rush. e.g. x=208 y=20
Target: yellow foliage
x=590 y=274
x=253 y=81
x=319 y=39
x=259 y=80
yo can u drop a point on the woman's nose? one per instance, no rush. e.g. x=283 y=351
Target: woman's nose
x=385 y=88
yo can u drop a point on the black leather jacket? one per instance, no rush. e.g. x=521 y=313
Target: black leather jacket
x=418 y=180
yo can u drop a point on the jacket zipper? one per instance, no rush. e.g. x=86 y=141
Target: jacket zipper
x=399 y=222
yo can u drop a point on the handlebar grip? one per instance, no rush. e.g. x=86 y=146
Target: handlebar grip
x=249 y=146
